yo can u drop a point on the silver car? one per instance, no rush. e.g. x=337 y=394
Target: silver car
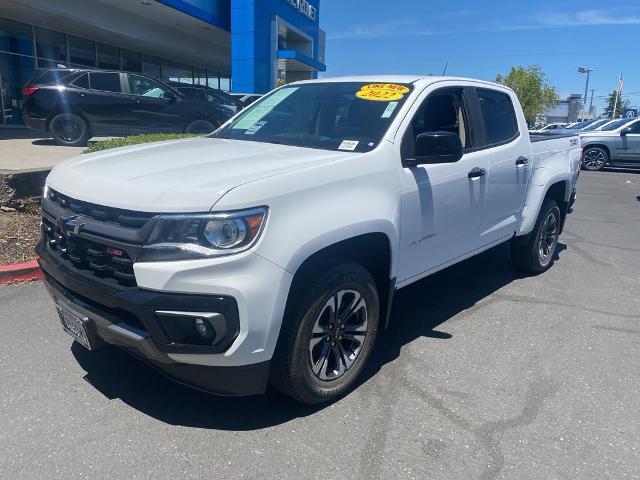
x=617 y=143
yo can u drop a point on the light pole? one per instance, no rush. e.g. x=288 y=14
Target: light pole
x=588 y=71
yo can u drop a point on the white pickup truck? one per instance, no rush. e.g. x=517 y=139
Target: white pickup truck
x=268 y=252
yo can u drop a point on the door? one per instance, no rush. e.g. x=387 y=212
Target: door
x=99 y=96
x=155 y=106
x=442 y=204
x=15 y=72
x=507 y=151
x=628 y=146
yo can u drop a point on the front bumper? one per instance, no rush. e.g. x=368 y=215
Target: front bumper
x=126 y=318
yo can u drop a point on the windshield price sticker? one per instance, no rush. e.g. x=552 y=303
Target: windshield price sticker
x=382 y=92
x=389 y=110
x=349 y=145
x=255 y=127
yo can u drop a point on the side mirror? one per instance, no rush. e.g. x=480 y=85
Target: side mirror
x=171 y=96
x=625 y=131
x=436 y=147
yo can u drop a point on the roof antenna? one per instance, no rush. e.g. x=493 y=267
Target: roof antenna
x=445 y=68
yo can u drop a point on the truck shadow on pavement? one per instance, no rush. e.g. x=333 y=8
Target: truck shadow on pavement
x=419 y=310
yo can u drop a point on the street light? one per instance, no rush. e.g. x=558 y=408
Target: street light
x=588 y=71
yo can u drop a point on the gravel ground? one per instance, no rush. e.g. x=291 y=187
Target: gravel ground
x=19 y=233
x=483 y=374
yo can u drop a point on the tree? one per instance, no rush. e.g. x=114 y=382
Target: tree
x=534 y=92
x=623 y=104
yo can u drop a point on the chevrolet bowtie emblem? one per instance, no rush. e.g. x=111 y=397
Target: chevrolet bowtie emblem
x=70 y=224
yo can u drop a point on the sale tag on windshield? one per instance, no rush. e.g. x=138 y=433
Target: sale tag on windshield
x=382 y=92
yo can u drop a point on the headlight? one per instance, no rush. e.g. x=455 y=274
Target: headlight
x=184 y=237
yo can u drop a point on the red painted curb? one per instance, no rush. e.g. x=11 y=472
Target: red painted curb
x=20 y=272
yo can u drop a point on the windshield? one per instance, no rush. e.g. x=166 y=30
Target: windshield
x=616 y=124
x=345 y=116
x=595 y=125
x=580 y=124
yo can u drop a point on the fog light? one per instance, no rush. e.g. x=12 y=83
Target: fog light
x=202 y=327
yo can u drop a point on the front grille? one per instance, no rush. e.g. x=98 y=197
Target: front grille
x=91 y=257
x=105 y=244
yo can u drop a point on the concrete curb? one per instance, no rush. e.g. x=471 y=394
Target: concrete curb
x=19 y=273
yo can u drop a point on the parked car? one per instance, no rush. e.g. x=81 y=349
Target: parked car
x=208 y=94
x=270 y=250
x=246 y=98
x=76 y=104
x=552 y=127
x=618 y=143
x=595 y=124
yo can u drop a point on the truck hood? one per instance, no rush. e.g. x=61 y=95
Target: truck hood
x=177 y=176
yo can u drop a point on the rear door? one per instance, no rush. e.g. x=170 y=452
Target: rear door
x=155 y=110
x=100 y=97
x=628 y=146
x=505 y=144
x=442 y=204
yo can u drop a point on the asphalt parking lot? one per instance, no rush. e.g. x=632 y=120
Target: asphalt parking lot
x=483 y=374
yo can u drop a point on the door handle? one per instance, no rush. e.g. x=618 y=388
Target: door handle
x=522 y=161
x=477 y=173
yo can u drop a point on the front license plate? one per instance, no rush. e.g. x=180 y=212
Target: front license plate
x=74 y=324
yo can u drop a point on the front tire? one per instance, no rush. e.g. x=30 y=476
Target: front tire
x=69 y=130
x=594 y=158
x=200 y=127
x=535 y=253
x=327 y=335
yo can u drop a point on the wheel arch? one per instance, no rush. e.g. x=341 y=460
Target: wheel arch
x=371 y=250
x=603 y=146
x=560 y=192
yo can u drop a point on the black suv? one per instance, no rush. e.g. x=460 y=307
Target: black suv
x=76 y=104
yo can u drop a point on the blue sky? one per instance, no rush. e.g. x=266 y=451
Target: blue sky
x=480 y=38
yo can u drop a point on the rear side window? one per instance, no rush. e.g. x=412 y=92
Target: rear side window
x=499 y=116
x=106 y=82
x=82 y=81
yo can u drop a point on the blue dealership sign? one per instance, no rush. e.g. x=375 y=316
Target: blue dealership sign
x=630 y=113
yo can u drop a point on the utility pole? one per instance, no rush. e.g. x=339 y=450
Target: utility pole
x=618 y=93
x=588 y=71
x=591 y=103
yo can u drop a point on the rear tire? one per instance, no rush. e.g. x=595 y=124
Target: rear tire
x=535 y=253
x=594 y=158
x=69 y=130
x=327 y=335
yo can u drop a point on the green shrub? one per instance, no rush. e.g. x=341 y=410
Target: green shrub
x=134 y=140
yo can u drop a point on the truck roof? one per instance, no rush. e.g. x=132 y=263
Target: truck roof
x=421 y=79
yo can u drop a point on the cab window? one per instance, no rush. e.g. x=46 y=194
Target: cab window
x=442 y=111
x=499 y=116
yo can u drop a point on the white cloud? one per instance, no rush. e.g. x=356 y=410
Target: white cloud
x=416 y=26
x=586 y=18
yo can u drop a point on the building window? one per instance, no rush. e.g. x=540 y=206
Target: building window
x=108 y=57
x=176 y=72
x=82 y=52
x=212 y=80
x=131 y=61
x=225 y=84
x=51 y=45
x=199 y=76
x=151 y=66
x=16 y=37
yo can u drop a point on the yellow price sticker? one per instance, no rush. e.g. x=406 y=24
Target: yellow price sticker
x=382 y=92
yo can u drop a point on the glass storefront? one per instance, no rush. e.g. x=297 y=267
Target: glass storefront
x=23 y=48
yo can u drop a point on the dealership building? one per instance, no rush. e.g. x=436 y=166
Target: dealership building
x=239 y=45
